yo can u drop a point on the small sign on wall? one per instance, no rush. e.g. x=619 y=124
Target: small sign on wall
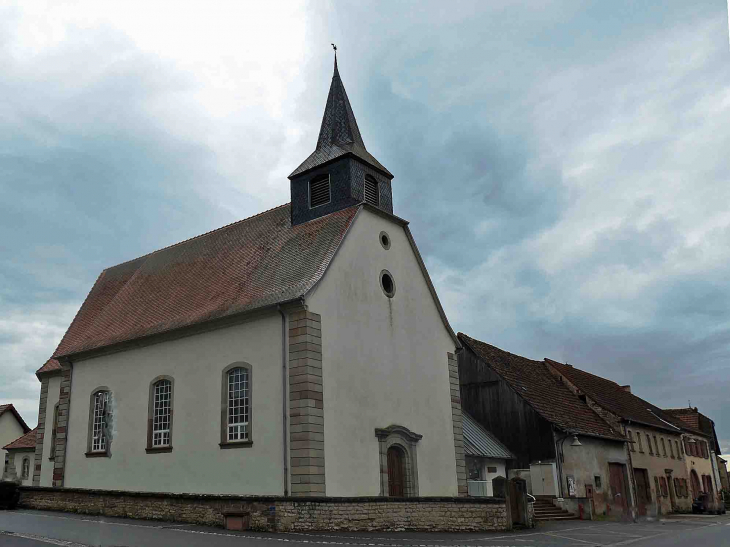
x=571 y=485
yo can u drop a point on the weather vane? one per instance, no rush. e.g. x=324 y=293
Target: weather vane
x=334 y=47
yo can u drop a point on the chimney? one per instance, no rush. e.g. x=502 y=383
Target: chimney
x=626 y=388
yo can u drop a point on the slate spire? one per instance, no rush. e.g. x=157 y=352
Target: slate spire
x=339 y=134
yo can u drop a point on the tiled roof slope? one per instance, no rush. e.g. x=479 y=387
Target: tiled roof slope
x=11 y=408
x=51 y=365
x=339 y=133
x=253 y=263
x=687 y=415
x=480 y=442
x=616 y=399
x=533 y=382
x=26 y=441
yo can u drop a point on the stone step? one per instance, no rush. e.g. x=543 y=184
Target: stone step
x=570 y=516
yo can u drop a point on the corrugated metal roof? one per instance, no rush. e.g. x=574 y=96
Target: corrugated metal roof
x=480 y=442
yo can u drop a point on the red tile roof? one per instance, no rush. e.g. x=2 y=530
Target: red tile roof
x=688 y=415
x=51 y=365
x=532 y=381
x=26 y=441
x=253 y=263
x=11 y=408
x=616 y=399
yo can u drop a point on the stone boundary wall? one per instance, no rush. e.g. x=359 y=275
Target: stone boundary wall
x=280 y=514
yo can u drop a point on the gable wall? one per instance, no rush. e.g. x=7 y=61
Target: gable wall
x=494 y=404
x=384 y=362
x=196 y=464
x=10 y=430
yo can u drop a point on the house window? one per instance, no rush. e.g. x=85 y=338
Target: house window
x=676 y=446
x=671 y=449
x=491 y=469
x=99 y=420
x=664 y=448
x=656 y=445
x=597 y=482
x=638 y=438
x=236 y=406
x=319 y=191
x=26 y=468
x=159 y=415
x=687 y=448
x=648 y=442
x=372 y=196
x=474 y=468
x=663 y=484
x=705 y=451
x=387 y=283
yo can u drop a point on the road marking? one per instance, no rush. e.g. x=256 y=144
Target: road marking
x=551 y=534
x=630 y=541
x=43 y=539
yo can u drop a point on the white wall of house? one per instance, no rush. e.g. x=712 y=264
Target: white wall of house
x=196 y=464
x=54 y=386
x=10 y=429
x=383 y=362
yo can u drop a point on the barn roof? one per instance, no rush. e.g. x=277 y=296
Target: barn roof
x=531 y=381
x=480 y=442
x=254 y=263
x=618 y=400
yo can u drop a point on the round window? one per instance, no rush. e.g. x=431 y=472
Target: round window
x=387 y=283
x=384 y=240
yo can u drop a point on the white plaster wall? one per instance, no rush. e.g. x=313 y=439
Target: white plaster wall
x=197 y=464
x=489 y=477
x=10 y=430
x=54 y=387
x=383 y=361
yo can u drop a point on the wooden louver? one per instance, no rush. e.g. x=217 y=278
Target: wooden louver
x=319 y=191
x=371 y=191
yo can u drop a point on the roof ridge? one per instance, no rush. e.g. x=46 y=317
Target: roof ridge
x=197 y=236
x=591 y=374
x=497 y=347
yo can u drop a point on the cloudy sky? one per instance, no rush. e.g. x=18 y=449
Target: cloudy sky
x=564 y=165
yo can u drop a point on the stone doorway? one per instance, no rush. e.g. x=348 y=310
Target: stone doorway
x=398 y=461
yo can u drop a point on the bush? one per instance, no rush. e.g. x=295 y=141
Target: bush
x=9 y=495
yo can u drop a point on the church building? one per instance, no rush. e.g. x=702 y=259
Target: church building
x=299 y=352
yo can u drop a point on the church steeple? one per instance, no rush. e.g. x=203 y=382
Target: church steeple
x=353 y=174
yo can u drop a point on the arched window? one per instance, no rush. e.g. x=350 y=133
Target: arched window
x=52 y=455
x=372 y=195
x=98 y=440
x=26 y=468
x=236 y=405
x=319 y=191
x=159 y=417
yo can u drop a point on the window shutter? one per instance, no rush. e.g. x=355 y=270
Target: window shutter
x=372 y=195
x=319 y=191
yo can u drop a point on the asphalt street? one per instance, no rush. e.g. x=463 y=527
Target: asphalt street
x=41 y=528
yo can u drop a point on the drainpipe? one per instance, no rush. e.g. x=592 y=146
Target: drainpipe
x=283 y=399
x=559 y=458
x=632 y=478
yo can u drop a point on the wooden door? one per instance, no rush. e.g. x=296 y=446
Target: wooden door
x=696 y=489
x=618 y=485
x=396 y=472
x=643 y=490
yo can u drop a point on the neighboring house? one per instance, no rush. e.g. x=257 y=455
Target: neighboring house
x=20 y=458
x=301 y=351
x=724 y=479
x=486 y=457
x=701 y=448
x=570 y=450
x=656 y=456
x=12 y=426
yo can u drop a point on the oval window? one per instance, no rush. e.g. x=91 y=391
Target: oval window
x=385 y=240
x=387 y=283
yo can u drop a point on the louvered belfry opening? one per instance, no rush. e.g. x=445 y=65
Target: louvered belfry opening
x=371 y=191
x=319 y=191
x=340 y=173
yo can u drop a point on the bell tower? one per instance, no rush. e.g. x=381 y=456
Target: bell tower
x=340 y=172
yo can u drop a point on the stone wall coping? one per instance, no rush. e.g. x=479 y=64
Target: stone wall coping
x=269 y=499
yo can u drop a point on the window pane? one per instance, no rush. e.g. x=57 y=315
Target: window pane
x=99 y=441
x=161 y=416
x=238 y=404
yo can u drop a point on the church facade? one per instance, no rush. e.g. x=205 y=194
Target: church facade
x=302 y=352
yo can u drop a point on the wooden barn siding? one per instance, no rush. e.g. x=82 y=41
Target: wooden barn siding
x=495 y=405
